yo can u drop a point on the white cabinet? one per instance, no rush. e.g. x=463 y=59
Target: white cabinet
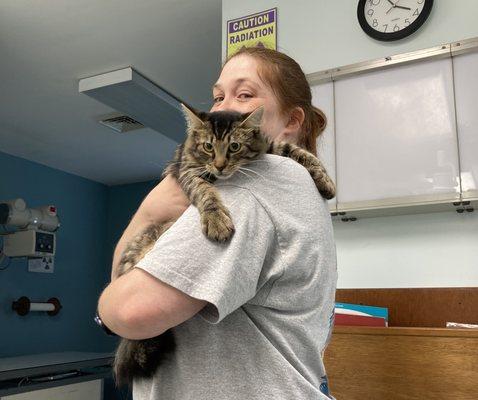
x=466 y=93
x=396 y=139
x=91 y=390
x=323 y=98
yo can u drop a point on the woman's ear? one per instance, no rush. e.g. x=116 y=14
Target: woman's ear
x=294 y=125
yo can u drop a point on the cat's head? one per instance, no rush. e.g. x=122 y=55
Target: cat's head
x=222 y=141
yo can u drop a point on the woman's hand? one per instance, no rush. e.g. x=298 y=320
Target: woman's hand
x=166 y=202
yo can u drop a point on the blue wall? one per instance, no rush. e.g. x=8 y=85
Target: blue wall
x=93 y=217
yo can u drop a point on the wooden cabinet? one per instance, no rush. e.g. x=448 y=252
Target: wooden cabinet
x=407 y=361
x=402 y=363
x=465 y=68
x=396 y=139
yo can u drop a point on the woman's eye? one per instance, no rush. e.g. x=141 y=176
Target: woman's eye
x=233 y=147
x=245 y=96
x=207 y=146
x=218 y=99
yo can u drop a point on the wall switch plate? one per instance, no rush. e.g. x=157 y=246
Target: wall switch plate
x=41 y=264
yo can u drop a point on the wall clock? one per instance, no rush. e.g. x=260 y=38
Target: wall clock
x=392 y=19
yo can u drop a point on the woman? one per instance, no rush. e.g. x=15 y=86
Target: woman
x=251 y=318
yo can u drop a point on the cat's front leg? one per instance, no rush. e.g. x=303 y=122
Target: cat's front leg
x=314 y=166
x=216 y=221
x=140 y=245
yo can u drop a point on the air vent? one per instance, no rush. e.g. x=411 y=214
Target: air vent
x=130 y=93
x=121 y=123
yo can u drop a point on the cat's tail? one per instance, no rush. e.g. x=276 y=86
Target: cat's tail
x=141 y=358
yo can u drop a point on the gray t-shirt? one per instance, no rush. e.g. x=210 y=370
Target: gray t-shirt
x=270 y=292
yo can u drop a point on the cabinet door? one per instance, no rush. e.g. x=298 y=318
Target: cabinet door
x=323 y=98
x=396 y=139
x=90 y=390
x=466 y=93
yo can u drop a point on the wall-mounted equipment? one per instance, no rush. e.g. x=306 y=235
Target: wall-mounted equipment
x=34 y=237
x=23 y=306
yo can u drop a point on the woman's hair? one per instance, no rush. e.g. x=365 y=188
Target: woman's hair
x=290 y=86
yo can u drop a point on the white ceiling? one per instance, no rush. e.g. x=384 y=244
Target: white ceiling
x=47 y=46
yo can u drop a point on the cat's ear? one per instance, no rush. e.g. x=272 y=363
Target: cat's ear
x=253 y=120
x=192 y=120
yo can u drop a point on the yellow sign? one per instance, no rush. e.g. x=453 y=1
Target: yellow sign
x=253 y=30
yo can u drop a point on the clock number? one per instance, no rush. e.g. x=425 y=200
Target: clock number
x=370 y=12
x=375 y=23
x=374 y=2
x=396 y=28
x=386 y=26
x=416 y=12
x=407 y=21
x=420 y=1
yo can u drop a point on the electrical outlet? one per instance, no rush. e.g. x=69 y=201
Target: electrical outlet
x=41 y=264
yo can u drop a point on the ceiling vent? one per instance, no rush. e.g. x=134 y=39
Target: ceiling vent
x=130 y=93
x=121 y=123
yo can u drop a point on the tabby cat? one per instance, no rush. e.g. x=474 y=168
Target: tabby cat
x=218 y=144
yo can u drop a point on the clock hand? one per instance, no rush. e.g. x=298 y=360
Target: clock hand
x=404 y=8
x=391 y=2
x=391 y=8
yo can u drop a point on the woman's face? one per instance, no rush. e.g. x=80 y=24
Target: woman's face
x=240 y=89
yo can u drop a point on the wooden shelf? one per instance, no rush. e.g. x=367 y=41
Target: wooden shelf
x=406 y=331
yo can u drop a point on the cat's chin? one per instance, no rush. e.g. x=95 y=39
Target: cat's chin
x=223 y=177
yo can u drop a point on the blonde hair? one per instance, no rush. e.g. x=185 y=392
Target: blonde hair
x=290 y=86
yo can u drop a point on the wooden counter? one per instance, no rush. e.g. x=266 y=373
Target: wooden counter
x=365 y=363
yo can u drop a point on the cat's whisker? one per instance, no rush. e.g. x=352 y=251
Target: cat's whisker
x=190 y=178
x=256 y=161
x=254 y=172
x=242 y=172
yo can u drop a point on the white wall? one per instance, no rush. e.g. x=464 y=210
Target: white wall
x=321 y=34
x=428 y=250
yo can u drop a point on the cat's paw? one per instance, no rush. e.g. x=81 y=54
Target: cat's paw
x=217 y=225
x=322 y=181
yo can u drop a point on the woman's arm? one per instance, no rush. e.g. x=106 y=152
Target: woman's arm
x=166 y=202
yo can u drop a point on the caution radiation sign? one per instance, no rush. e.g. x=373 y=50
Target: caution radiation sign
x=253 y=30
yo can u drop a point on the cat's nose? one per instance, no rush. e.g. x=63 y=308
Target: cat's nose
x=220 y=167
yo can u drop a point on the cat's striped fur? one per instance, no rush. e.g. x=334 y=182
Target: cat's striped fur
x=207 y=154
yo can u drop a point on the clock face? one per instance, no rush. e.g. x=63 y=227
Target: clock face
x=392 y=19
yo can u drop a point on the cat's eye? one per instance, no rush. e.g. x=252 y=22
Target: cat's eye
x=234 y=147
x=207 y=146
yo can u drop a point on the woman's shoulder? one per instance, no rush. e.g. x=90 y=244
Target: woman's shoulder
x=287 y=171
